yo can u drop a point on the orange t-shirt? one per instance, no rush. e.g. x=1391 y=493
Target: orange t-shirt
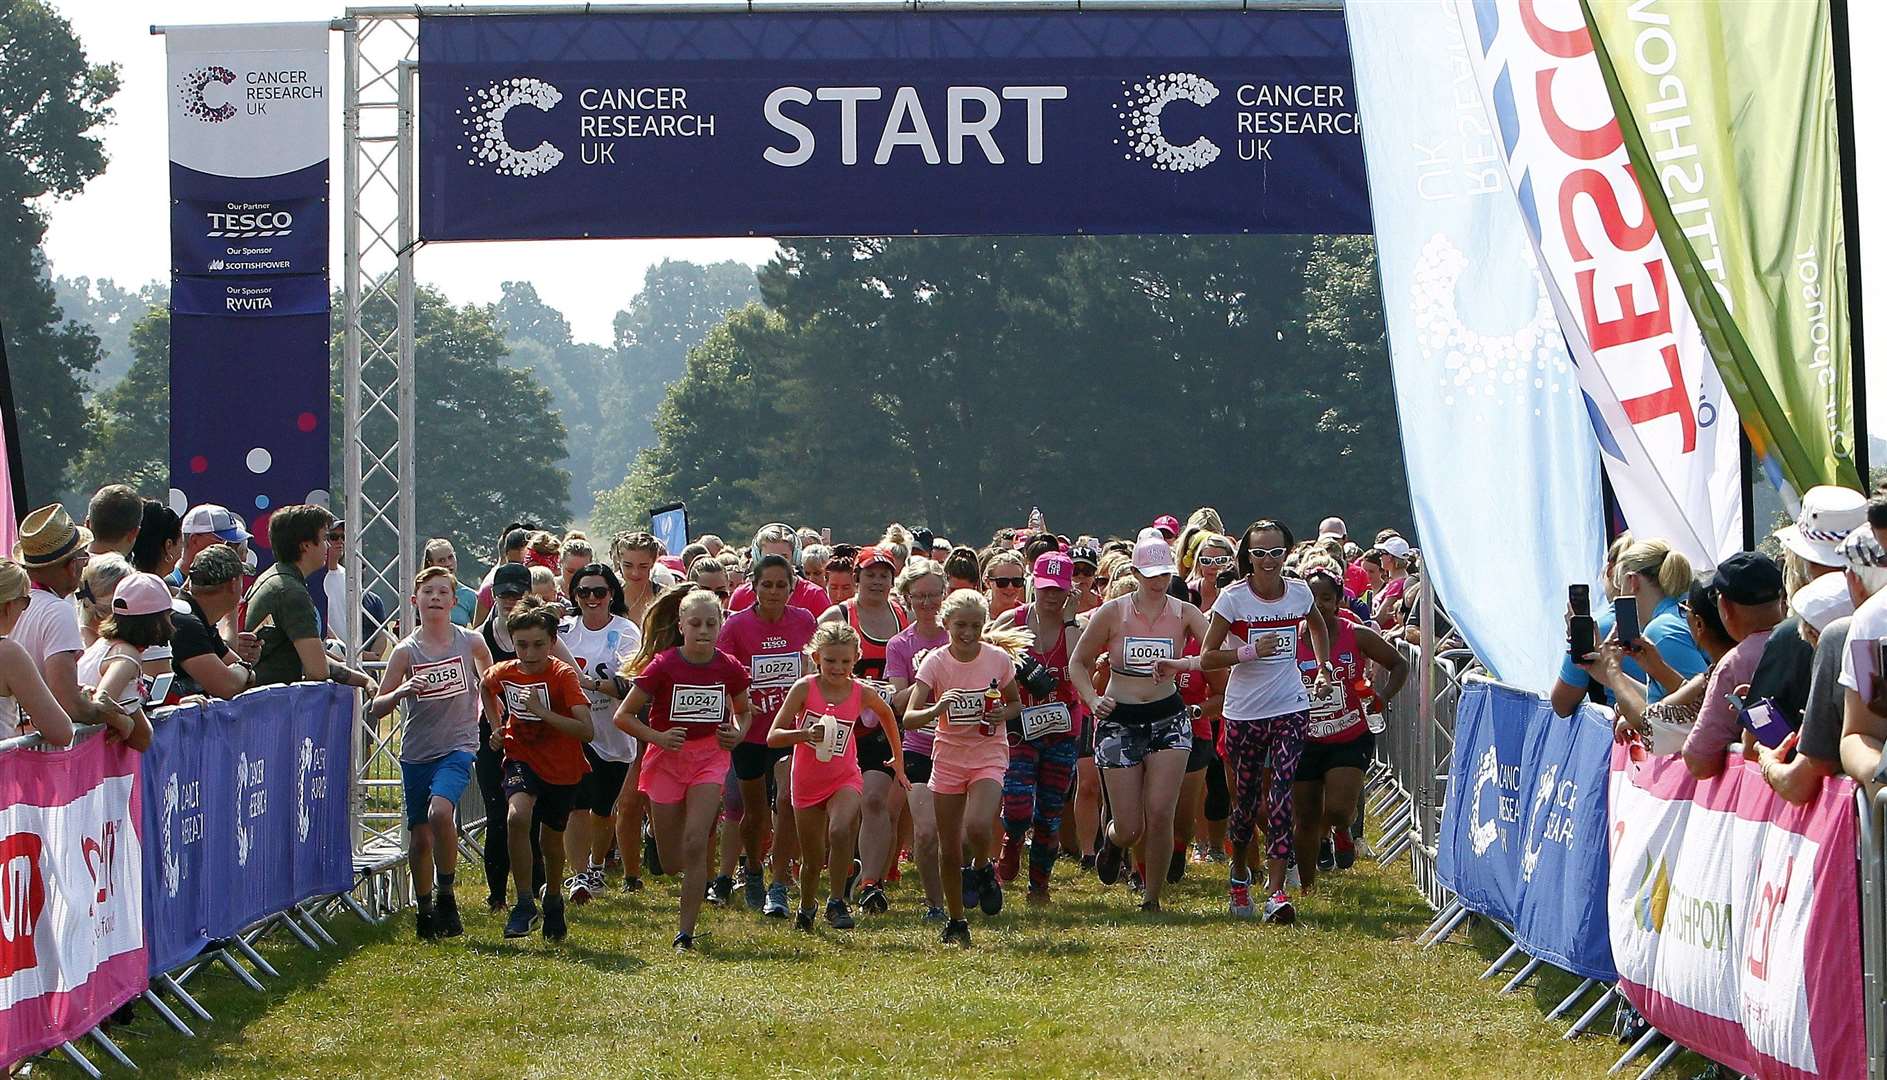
x=555 y=757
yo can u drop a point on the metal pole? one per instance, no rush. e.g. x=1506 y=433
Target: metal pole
x=1746 y=482
x=742 y=7
x=1851 y=229
x=350 y=381
x=409 y=234
x=1425 y=736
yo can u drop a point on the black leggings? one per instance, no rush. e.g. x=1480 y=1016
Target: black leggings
x=489 y=768
x=1218 y=795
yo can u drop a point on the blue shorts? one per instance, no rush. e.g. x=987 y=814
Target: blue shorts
x=445 y=777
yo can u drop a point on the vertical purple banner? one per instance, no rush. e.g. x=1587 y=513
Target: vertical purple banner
x=249 y=267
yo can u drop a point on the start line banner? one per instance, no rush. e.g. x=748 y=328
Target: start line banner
x=71 y=909
x=900 y=123
x=1735 y=917
x=1523 y=830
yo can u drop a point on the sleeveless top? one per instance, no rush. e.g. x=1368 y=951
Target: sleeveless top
x=1142 y=641
x=1055 y=659
x=444 y=717
x=806 y=761
x=871 y=651
x=499 y=654
x=1337 y=718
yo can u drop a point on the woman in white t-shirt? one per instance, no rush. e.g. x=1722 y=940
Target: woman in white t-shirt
x=601 y=639
x=20 y=682
x=1266 y=704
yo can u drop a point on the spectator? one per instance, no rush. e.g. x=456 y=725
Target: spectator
x=114 y=665
x=1680 y=706
x=327 y=587
x=1388 y=606
x=205 y=525
x=20 y=683
x=1864 y=718
x=53 y=551
x=1823 y=610
x=203 y=662
x=1810 y=554
x=280 y=610
x=439 y=552
x=97 y=582
x=1748 y=587
x=113 y=516
x=159 y=545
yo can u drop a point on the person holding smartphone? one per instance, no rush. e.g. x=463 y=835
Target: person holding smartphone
x=1665 y=656
x=1748 y=588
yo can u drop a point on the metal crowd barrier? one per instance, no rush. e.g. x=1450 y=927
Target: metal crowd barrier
x=1872 y=841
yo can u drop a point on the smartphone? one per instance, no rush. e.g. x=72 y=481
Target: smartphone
x=160 y=688
x=1582 y=634
x=1625 y=619
x=1579 y=599
x=825 y=536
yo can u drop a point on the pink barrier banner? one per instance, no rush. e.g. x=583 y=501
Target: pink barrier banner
x=1735 y=917
x=71 y=892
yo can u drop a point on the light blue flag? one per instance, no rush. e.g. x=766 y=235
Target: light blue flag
x=1503 y=466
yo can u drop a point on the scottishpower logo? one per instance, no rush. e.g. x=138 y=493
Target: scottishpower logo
x=1139 y=113
x=191 y=90
x=483 y=119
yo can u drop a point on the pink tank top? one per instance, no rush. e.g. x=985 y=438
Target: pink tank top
x=1142 y=641
x=820 y=775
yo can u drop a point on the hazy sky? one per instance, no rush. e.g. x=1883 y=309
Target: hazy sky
x=118 y=228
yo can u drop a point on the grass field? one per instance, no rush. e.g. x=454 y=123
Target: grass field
x=1087 y=987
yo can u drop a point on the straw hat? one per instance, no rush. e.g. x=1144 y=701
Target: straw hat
x=48 y=537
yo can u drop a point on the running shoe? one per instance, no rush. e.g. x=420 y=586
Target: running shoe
x=972 y=883
x=1326 y=855
x=427 y=923
x=755 y=886
x=684 y=942
x=1293 y=879
x=555 y=929
x=523 y=918
x=956 y=932
x=1278 y=909
x=990 y=896
x=775 y=907
x=802 y=920
x=852 y=878
x=838 y=915
x=631 y=883
x=1107 y=860
x=721 y=890
x=1011 y=862
x=446 y=909
x=1346 y=850
x=651 y=855
x=936 y=914
x=599 y=881
x=1241 y=899
x=1176 y=869
x=1151 y=907
x=578 y=886
x=871 y=899
x=1087 y=864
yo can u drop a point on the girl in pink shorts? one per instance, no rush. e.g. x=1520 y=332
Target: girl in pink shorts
x=827 y=790
x=968 y=690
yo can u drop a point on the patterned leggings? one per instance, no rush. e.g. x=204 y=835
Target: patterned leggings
x=1033 y=792
x=1250 y=746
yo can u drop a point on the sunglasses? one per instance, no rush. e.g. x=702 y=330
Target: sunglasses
x=593 y=592
x=722 y=593
x=1006 y=582
x=1220 y=560
x=1083 y=571
x=508 y=594
x=1269 y=553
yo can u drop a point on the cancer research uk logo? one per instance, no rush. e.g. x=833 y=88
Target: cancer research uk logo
x=1141 y=105
x=191 y=87
x=484 y=121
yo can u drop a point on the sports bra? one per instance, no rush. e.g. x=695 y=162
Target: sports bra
x=1141 y=641
x=871 y=651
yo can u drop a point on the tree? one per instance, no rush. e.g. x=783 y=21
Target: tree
x=109 y=311
x=50 y=101
x=131 y=420
x=538 y=337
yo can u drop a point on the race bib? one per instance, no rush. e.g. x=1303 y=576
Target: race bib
x=440 y=678
x=697 y=704
x=775 y=670
x=836 y=736
x=1137 y=654
x=1327 y=704
x=518 y=698
x=1323 y=729
x=1050 y=719
x=1287 y=643
x=966 y=710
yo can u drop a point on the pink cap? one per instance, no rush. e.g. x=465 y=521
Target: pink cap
x=673 y=562
x=140 y=594
x=1167 y=524
x=1152 y=557
x=1053 y=570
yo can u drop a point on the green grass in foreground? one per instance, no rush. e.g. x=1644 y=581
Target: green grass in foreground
x=1087 y=987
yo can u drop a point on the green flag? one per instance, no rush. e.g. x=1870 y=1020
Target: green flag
x=1728 y=113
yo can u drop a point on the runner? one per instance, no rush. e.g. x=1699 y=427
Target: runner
x=439 y=552
x=1042 y=742
x=696 y=697
x=921 y=584
x=1087 y=587
x=875 y=620
x=962 y=569
x=825 y=709
x=1203 y=801
x=973 y=682
x=1338 y=744
x=436 y=672
x=769 y=638
x=544 y=722
x=601 y=639
x=634 y=555
x=1005 y=574
x=1266 y=706
x=1142 y=733
x=577 y=554
x=807 y=595
x=842 y=574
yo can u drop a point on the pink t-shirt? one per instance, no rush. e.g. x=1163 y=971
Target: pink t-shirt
x=772 y=653
x=812 y=776
x=899 y=652
x=684 y=694
x=959 y=740
x=806 y=597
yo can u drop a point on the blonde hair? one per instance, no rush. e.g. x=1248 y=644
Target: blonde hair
x=916 y=569
x=1007 y=555
x=104 y=572
x=541 y=576
x=1013 y=641
x=576 y=542
x=1657 y=560
x=544 y=544
x=1122 y=585
x=436 y=549
x=833 y=633
x=897 y=540
x=13 y=581
x=962 y=599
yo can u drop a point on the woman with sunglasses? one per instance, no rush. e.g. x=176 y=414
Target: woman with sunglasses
x=1005 y=574
x=876 y=620
x=1086 y=559
x=1254 y=632
x=601 y=639
x=1142 y=733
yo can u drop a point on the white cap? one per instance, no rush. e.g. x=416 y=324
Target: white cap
x=1333 y=526
x=1822 y=601
x=211 y=518
x=1153 y=556
x=1396 y=546
x=1828 y=515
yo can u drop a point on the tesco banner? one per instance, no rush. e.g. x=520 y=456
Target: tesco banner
x=1668 y=433
x=1736 y=917
x=865 y=123
x=71 y=892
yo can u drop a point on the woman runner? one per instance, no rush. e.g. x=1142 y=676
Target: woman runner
x=875 y=620
x=601 y=639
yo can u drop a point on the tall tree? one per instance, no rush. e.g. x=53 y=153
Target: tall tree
x=110 y=311
x=130 y=421
x=51 y=100
x=538 y=337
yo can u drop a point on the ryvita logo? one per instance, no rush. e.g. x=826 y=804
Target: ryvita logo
x=1141 y=105
x=483 y=119
x=191 y=90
